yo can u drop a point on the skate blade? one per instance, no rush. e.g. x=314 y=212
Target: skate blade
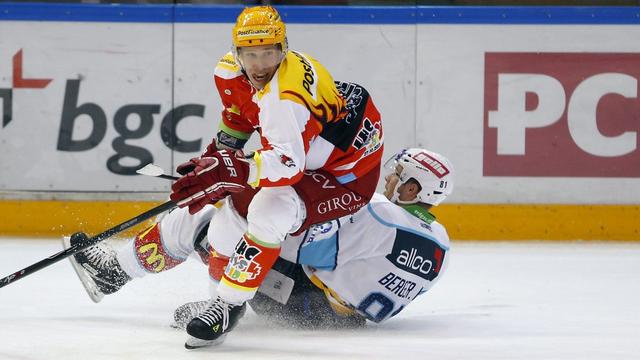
x=195 y=343
x=87 y=282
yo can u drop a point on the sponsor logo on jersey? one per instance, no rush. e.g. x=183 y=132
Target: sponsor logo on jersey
x=348 y=202
x=309 y=77
x=241 y=266
x=411 y=259
x=416 y=255
x=321 y=179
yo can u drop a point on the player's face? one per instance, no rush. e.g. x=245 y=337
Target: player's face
x=260 y=63
x=391 y=180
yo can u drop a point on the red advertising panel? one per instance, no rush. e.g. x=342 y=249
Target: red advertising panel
x=561 y=114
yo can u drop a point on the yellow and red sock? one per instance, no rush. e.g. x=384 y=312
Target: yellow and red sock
x=151 y=252
x=217 y=264
x=248 y=266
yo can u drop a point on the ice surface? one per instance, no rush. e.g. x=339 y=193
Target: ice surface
x=531 y=300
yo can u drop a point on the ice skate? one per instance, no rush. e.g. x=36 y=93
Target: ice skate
x=97 y=267
x=211 y=326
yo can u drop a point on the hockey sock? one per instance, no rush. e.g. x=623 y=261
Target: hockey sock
x=249 y=264
x=151 y=253
x=217 y=264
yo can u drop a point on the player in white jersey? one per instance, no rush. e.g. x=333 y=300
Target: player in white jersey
x=368 y=265
x=375 y=262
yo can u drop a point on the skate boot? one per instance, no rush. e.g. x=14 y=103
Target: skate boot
x=97 y=267
x=184 y=313
x=212 y=325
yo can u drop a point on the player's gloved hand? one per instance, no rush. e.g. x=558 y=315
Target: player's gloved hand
x=189 y=166
x=212 y=179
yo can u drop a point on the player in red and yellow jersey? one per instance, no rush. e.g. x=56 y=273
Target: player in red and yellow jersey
x=321 y=146
x=305 y=98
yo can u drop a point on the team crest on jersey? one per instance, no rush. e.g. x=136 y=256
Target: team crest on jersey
x=287 y=161
x=416 y=255
x=241 y=267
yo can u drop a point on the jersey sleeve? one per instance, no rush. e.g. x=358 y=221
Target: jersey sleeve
x=232 y=123
x=234 y=128
x=281 y=160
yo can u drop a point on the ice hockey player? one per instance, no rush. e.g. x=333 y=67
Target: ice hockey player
x=368 y=265
x=371 y=264
x=316 y=162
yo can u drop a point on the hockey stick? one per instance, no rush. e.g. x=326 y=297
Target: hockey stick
x=156 y=171
x=90 y=242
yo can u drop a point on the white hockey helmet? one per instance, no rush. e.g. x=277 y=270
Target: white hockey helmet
x=432 y=171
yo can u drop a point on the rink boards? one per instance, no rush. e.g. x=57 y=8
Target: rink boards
x=463 y=221
x=536 y=107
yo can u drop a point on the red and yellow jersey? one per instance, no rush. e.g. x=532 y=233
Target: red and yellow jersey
x=305 y=122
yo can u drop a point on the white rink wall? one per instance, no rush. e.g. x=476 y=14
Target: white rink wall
x=534 y=106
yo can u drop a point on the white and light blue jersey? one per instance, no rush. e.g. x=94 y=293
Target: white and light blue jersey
x=377 y=260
